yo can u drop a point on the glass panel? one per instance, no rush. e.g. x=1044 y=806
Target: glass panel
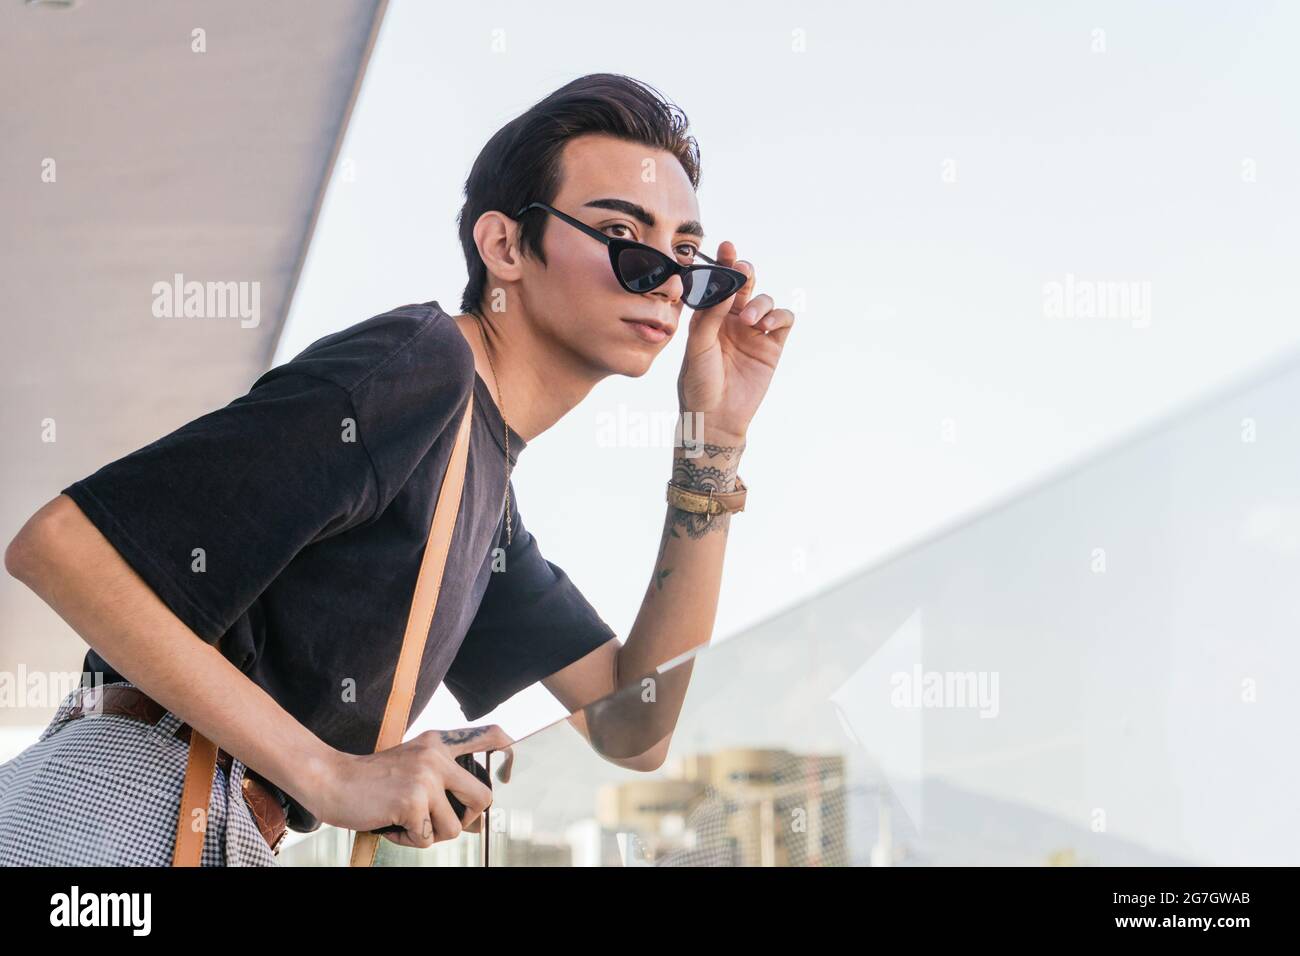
x=745 y=801
x=331 y=846
x=1102 y=672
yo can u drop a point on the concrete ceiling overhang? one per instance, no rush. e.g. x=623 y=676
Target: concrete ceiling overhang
x=141 y=142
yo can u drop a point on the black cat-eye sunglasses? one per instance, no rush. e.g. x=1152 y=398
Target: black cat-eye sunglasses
x=641 y=268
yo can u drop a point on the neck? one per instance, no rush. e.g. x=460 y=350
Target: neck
x=538 y=381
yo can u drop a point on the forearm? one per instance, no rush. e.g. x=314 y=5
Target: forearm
x=681 y=600
x=677 y=613
x=64 y=559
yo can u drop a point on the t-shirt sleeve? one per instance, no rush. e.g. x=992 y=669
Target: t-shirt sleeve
x=532 y=622
x=210 y=514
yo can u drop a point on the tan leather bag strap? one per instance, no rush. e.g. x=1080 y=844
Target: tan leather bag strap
x=202 y=764
x=398 y=711
x=195 y=796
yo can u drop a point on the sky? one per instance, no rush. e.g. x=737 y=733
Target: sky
x=952 y=200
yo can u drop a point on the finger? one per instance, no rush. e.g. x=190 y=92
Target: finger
x=776 y=319
x=446 y=825
x=756 y=310
x=726 y=254
x=741 y=298
x=781 y=332
x=399 y=835
x=475 y=739
x=417 y=826
x=469 y=790
x=705 y=324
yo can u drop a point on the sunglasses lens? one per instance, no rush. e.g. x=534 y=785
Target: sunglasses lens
x=705 y=288
x=642 y=269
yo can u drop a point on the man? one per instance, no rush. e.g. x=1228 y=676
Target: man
x=252 y=571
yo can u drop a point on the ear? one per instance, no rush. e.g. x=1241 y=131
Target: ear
x=497 y=237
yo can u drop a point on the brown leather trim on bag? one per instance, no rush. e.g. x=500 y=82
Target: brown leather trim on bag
x=268 y=812
x=123 y=701
x=397 y=712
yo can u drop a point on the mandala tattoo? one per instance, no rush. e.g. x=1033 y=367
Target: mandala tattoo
x=713 y=470
x=721 y=451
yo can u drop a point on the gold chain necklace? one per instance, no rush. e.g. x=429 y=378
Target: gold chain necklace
x=504 y=421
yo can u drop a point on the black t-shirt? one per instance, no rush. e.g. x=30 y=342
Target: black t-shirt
x=288 y=526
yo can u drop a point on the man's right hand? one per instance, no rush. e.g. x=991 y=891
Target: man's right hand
x=405 y=786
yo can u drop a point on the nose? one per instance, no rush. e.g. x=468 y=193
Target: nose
x=671 y=291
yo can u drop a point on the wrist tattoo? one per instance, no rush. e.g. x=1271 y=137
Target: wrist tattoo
x=725 y=452
x=714 y=470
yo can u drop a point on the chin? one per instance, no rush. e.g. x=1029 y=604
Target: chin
x=618 y=356
x=640 y=361
x=630 y=368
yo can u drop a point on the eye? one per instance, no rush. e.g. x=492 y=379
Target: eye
x=687 y=250
x=620 y=225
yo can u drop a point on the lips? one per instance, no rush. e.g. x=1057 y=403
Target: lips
x=650 y=331
x=654 y=324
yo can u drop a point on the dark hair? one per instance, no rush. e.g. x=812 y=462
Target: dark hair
x=521 y=162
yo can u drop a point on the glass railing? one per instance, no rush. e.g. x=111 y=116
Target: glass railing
x=1102 y=672
x=330 y=846
x=730 y=793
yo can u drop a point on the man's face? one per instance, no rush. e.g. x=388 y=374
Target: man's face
x=575 y=298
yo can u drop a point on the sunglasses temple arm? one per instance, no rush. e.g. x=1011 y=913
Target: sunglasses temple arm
x=714 y=262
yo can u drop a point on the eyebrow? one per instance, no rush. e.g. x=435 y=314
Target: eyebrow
x=690 y=227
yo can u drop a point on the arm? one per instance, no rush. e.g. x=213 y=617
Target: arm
x=732 y=351
x=71 y=566
x=634 y=729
